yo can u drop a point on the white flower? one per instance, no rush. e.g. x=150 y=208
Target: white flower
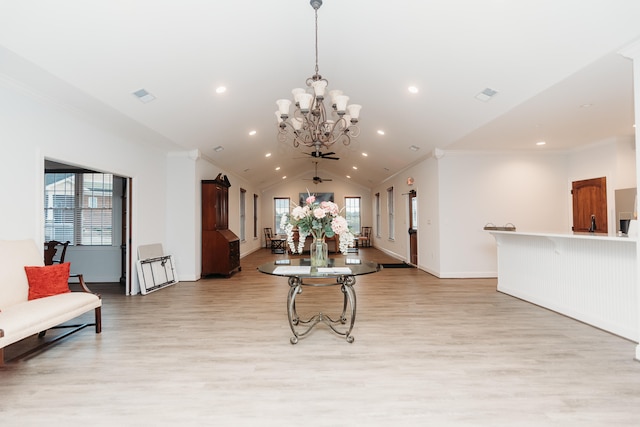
x=339 y=225
x=298 y=213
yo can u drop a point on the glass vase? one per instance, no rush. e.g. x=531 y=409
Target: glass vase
x=319 y=253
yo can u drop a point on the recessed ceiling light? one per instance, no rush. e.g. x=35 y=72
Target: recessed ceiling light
x=540 y=143
x=218 y=149
x=355 y=167
x=253 y=132
x=144 y=96
x=365 y=154
x=284 y=177
x=414 y=148
x=349 y=176
x=413 y=89
x=278 y=168
x=221 y=89
x=586 y=105
x=381 y=132
x=268 y=155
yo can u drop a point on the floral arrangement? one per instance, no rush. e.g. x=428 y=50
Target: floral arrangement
x=319 y=219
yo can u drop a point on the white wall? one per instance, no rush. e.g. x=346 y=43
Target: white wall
x=626 y=163
x=525 y=189
x=183 y=219
x=459 y=193
x=31 y=129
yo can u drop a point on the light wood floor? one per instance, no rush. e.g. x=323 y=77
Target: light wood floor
x=427 y=352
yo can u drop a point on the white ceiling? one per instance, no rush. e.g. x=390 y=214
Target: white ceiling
x=546 y=59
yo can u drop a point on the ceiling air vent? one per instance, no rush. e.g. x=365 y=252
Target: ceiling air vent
x=486 y=95
x=143 y=96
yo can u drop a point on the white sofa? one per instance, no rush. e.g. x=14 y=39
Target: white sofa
x=20 y=317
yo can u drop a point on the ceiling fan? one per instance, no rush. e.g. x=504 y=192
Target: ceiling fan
x=318 y=155
x=316 y=179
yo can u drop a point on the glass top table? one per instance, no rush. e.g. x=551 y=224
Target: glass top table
x=340 y=272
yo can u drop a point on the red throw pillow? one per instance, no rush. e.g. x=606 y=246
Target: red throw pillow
x=48 y=280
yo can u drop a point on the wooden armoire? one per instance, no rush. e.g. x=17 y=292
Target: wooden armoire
x=220 y=246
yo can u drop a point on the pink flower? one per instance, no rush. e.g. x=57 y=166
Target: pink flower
x=319 y=213
x=311 y=199
x=330 y=208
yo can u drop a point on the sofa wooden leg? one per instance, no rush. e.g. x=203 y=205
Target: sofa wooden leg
x=98 y=311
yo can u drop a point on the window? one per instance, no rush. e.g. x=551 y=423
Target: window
x=255 y=216
x=378 y=223
x=78 y=208
x=352 y=213
x=390 y=210
x=281 y=206
x=243 y=214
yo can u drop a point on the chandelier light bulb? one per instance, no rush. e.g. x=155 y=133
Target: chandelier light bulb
x=318 y=88
x=333 y=94
x=304 y=99
x=354 y=112
x=283 y=107
x=296 y=95
x=341 y=103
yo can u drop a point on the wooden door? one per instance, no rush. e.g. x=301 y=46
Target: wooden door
x=590 y=199
x=413 y=228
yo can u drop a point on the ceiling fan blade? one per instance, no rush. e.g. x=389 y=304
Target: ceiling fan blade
x=332 y=158
x=318 y=154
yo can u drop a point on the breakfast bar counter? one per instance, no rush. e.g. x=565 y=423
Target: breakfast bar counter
x=589 y=277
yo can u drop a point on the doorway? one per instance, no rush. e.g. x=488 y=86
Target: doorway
x=589 y=198
x=92 y=210
x=413 y=228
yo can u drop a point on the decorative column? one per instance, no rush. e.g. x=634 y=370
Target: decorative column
x=632 y=52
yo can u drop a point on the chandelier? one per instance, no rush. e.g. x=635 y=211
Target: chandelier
x=311 y=124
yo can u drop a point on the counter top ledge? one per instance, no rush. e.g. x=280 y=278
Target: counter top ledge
x=588 y=236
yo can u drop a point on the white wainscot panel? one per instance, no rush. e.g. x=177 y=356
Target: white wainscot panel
x=591 y=278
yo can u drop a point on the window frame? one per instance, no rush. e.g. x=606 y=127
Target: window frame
x=278 y=215
x=243 y=214
x=378 y=214
x=87 y=209
x=255 y=216
x=349 y=215
x=391 y=213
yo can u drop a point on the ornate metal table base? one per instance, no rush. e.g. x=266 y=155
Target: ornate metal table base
x=346 y=283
